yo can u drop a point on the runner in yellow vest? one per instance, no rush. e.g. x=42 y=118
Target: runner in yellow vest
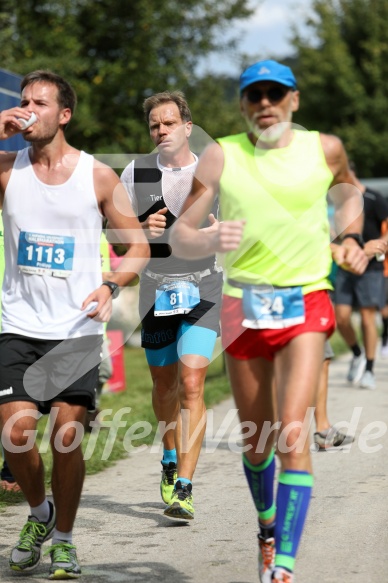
x=272 y=183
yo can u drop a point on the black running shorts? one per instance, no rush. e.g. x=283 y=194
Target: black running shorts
x=44 y=371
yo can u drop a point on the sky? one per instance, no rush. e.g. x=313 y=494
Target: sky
x=266 y=32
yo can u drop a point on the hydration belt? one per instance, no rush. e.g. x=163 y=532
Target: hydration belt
x=196 y=276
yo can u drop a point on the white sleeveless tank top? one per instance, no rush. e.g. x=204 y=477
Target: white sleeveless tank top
x=52 y=252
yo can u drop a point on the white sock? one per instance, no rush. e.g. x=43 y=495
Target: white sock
x=59 y=536
x=41 y=512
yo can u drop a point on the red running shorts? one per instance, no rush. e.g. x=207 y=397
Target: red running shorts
x=245 y=343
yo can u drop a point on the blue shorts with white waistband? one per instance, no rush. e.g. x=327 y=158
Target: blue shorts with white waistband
x=192 y=333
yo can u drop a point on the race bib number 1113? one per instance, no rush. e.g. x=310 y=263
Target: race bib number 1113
x=42 y=254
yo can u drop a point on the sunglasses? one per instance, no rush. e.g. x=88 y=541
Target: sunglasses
x=273 y=94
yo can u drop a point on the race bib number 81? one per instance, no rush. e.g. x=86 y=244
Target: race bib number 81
x=177 y=297
x=273 y=308
x=41 y=254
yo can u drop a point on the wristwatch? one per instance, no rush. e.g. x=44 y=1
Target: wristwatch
x=114 y=288
x=357 y=237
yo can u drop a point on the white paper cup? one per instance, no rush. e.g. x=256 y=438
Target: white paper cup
x=26 y=123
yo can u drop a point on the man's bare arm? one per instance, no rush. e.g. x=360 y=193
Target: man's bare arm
x=348 y=200
x=344 y=192
x=7 y=160
x=125 y=227
x=186 y=239
x=116 y=207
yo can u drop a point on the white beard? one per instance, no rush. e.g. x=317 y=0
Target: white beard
x=271 y=134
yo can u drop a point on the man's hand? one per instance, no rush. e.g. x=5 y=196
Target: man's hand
x=375 y=247
x=103 y=310
x=214 y=225
x=155 y=224
x=229 y=235
x=350 y=256
x=9 y=125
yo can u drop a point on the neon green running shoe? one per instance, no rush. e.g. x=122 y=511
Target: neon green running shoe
x=64 y=564
x=181 y=505
x=25 y=556
x=167 y=483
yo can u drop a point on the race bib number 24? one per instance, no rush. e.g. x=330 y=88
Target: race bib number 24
x=273 y=308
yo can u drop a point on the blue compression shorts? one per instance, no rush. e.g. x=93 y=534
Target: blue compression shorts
x=190 y=339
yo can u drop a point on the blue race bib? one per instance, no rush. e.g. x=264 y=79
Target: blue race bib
x=176 y=297
x=41 y=254
x=274 y=308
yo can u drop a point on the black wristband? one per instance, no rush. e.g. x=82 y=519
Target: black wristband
x=357 y=237
x=114 y=288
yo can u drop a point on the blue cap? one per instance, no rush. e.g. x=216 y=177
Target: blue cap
x=267 y=71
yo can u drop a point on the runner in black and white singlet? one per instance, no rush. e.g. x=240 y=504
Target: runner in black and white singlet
x=179 y=299
x=54 y=199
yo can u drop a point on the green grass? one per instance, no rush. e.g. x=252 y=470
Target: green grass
x=8 y=498
x=338 y=344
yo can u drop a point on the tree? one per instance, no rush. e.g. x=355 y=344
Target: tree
x=116 y=54
x=342 y=72
x=214 y=105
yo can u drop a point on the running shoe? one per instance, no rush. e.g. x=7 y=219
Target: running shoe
x=368 y=380
x=280 y=575
x=384 y=351
x=266 y=558
x=332 y=438
x=64 y=564
x=356 y=368
x=169 y=477
x=25 y=556
x=181 y=505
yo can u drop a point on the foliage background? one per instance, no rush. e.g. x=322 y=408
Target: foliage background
x=342 y=68
x=116 y=53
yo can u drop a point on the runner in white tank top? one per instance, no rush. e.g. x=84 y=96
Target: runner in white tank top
x=54 y=232
x=54 y=200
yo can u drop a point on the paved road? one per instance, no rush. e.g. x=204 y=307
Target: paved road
x=122 y=535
